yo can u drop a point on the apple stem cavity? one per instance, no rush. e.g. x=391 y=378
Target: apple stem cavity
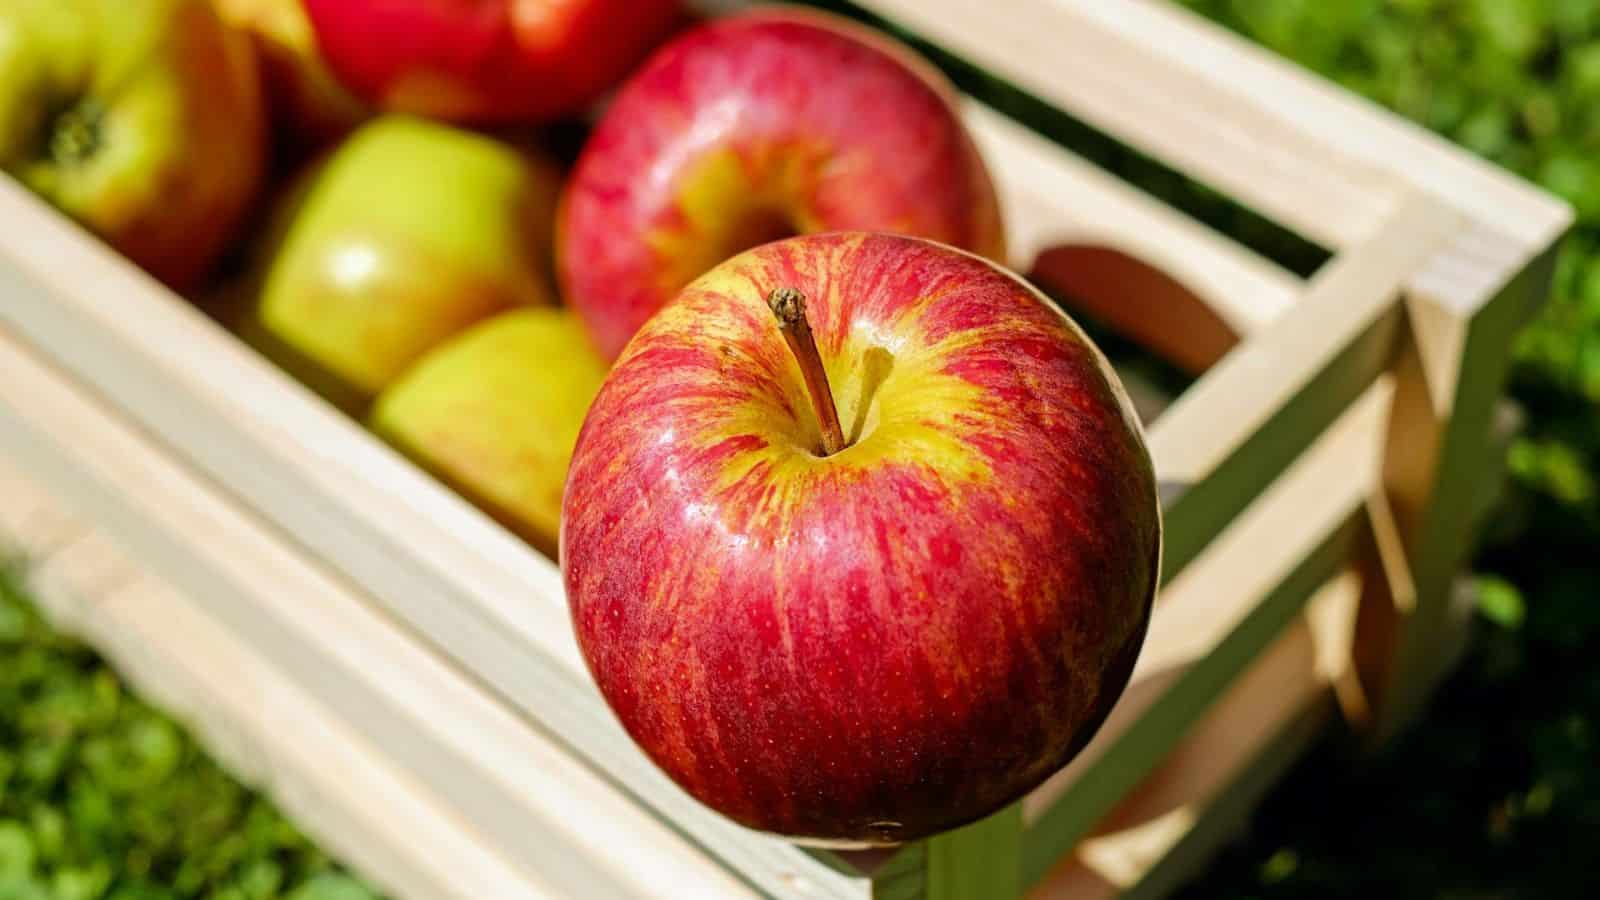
x=76 y=135
x=789 y=305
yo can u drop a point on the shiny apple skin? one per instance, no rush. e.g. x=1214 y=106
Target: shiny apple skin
x=175 y=150
x=752 y=127
x=308 y=104
x=401 y=237
x=487 y=61
x=900 y=638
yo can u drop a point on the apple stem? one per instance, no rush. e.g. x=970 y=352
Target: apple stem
x=789 y=305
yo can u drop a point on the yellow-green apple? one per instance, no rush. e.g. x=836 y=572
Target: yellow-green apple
x=487 y=61
x=875 y=637
x=142 y=119
x=754 y=127
x=309 y=106
x=495 y=412
x=407 y=233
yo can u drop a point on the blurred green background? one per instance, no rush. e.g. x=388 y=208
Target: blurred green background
x=1494 y=793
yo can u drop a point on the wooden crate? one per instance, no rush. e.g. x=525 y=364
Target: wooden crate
x=401 y=673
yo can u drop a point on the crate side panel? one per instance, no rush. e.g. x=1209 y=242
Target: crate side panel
x=1298 y=148
x=1212 y=621
x=508 y=778
x=1250 y=416
x=450 y=573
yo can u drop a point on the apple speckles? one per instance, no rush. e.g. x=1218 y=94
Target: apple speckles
x=930 y=620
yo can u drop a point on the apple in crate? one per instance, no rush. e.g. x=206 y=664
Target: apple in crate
x=751 y=128
x=495 y=412
x=487 y=61
x=874 y=567
x=142 y=119
x=307 y=101
x=407 y=233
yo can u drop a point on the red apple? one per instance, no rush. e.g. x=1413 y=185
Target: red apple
x=487 y=61
x=309 y=104
x=874 y=644
x=755 y=127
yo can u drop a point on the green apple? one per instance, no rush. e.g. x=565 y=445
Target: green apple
x=143 y=119
x=495 y=412
x=404 y=235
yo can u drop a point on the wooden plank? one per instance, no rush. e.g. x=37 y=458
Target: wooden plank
x=338 y=496
x=1260 y=407
x=1212 y=621
x=1052 y=198
x=339 y=788
x=547 y=812
x=33 y=524
x=1211 y=104
x=313 y=766
x=1200 y=792
x=1439 y=459
x=982 y=861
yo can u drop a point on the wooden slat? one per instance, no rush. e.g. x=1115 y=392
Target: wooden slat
x=33 y=524
x=1251 y=415
x=1052 y=198
x=982 y=861
x=273 y=735
x=340 y=788
x=1301 y=150
x=340 y=497
x=1212 y=776
x=1440 y=459
x=548 y=813
x=387 y=526
x=1212 y=621
x=1231 y=115
x=1166 y=104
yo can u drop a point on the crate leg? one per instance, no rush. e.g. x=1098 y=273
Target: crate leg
x=982 y=861
x=1449 y=373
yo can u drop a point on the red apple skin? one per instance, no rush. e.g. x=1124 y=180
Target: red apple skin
x=309 y=107
x=487 y=61
x=752 y=127
x=894 y=640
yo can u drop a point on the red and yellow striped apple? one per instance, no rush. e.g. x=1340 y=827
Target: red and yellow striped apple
x=487 y=61
x=877 y=642
x=755 y=127
x=142 y=119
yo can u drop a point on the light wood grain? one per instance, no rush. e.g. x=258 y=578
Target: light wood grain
x=1051 y=198
x=1212 y=620
x=341 y=498
x=1273 y=702
x=1439 y=462
x=1231 y=433
x=328 y=513
x=545 y=811
x=1301 y=150
x=267 y=731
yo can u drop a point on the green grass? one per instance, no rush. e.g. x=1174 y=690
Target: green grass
x=1494 y=793
x=104 y=798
